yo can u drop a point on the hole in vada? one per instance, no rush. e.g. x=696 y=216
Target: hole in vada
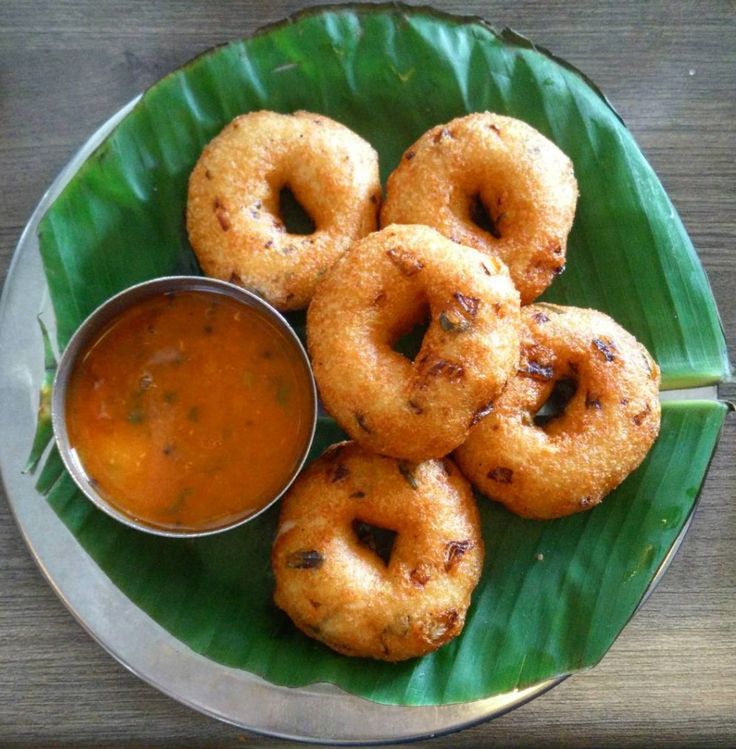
x=562 y=393
x=409 y=343
x=482 y=217
x=379 y=540
x=293 y=214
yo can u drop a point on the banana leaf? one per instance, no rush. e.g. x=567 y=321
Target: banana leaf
x=44 y=431
x=553 y=596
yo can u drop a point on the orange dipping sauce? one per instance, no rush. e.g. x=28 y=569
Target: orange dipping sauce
x=190 y=411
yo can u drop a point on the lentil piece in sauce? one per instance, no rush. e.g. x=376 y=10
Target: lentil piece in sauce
x=180 y=420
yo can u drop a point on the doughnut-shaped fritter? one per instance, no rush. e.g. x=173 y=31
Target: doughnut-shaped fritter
x=381 y=289
x=486 y=170
x=605 y=431
x=332 y=582
x=233 y=215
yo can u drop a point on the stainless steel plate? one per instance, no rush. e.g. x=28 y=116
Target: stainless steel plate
x=320 y=712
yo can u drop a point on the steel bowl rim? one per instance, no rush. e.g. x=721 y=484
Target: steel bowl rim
x=106 y=312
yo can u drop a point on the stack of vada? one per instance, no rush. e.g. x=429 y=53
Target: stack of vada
x=474 y=225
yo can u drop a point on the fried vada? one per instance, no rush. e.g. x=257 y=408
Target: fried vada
x=337 y=588
x=493 y=183
x=568 y=464
x=384 y=286
x=233 y=209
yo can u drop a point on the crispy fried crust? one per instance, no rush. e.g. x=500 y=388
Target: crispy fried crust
x=604 y=433
x=338 y=590
x=233 y=205
x=378 y=291
x=525 y=183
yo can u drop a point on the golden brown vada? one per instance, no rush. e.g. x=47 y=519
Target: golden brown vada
x=493 y=183
x=379 y=290
x=335 y=586
x=570 y=463
x=233 y=213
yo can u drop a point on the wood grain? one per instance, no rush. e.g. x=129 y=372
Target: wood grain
x=670 y=69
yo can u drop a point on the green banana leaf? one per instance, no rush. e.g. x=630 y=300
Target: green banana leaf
x=44 y=430
x=553 y=596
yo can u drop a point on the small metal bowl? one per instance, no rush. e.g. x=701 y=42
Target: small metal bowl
x=87 y=332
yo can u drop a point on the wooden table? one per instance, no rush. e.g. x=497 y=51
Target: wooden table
x=670 y=69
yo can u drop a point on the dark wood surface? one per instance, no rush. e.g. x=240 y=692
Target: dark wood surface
x=670 y=69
